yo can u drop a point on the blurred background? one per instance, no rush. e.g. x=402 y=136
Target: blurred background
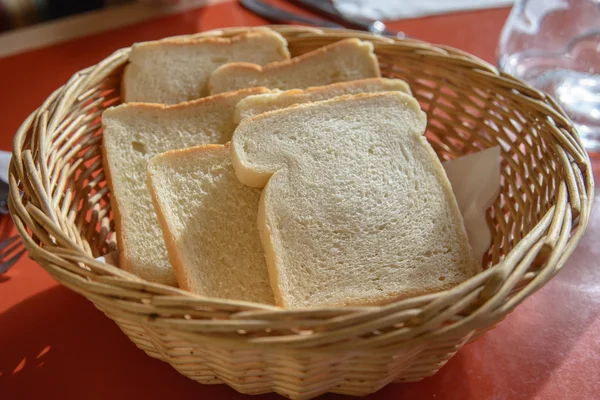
x=15 y=14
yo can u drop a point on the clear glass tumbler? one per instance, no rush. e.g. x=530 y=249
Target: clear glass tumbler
x=554 y=45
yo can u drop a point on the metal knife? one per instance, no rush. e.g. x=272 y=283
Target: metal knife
x=4 y=162
x=326 y=8
x=276 y=14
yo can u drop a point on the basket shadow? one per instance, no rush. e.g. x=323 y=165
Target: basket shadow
x=7 y=230
x=58 y=342
x=550 y=338
x=6 y=227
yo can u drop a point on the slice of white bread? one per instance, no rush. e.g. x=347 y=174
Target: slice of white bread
x=260 y=103
x=177 y=70
x=208 y=219
x=133 y=134
x=356 y=207
x=346 y=60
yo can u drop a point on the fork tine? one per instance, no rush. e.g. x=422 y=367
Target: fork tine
x=8 y=241
x=5 y=252
x=7 y=249
x=5 y=266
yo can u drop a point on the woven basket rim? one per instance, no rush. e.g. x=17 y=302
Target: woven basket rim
x=113 y=282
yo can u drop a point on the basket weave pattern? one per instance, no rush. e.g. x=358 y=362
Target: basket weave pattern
x=547 y=187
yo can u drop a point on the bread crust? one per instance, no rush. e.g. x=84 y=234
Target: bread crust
x=281 y=99
x=266 y=238
x=235 y=67
x=114 y=206
x=210 y=40
x=190 y=103
x=179 y=41
x=255 y=287
x=173 y=251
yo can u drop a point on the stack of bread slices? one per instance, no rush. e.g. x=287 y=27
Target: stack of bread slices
x=238 y=172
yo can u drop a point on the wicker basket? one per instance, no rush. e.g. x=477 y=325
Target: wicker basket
x=547 y=187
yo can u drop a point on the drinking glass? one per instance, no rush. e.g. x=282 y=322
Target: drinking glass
x=554 y=45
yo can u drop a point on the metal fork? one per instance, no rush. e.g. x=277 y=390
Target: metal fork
x=279 y=15
x=11 y=249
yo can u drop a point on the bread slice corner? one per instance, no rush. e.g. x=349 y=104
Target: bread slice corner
x=208 y=219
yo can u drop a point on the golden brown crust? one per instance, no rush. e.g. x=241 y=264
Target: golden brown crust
x=267 y=114
x=216 y=97
x=173 y=253
x=114 y=204
x=232 y=67
x=296 y=60
x=196 y=149
x=211 y=40
x=173 y=250
x=122 y=85
x=355 y=83
x=279 y=99
x=266 y=238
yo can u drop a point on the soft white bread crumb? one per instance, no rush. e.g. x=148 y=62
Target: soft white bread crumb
x=356 y=207
x=208 y=219
x=133 y=134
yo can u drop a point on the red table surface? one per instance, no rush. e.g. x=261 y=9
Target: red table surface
x=55 y=344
